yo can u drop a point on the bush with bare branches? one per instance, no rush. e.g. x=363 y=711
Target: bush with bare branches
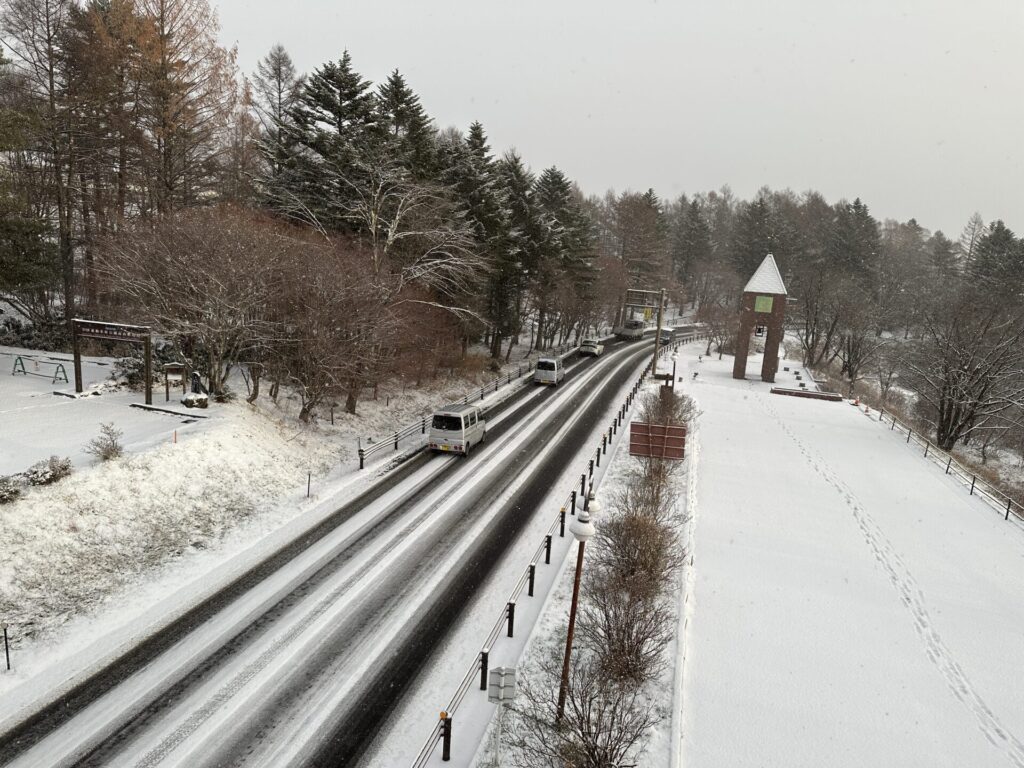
x=603 y=726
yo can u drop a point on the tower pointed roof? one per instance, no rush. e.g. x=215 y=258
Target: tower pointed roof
x=766 y=279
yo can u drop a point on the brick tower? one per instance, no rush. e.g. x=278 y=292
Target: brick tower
x=764 y=306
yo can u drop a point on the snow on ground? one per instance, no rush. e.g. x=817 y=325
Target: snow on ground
x=851 y=604
x=36 y=424
x=94 y=551
x=71 y=546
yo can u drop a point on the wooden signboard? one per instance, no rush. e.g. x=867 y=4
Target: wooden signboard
x=663 y=441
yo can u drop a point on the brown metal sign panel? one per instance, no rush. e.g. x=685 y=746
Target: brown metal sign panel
x=657 y=440
x=112 y=331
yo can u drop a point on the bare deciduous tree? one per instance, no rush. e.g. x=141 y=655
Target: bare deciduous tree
x=969 y=366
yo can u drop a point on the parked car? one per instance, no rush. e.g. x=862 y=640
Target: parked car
x=591 y=347
x=550 y=370
x=456 y=429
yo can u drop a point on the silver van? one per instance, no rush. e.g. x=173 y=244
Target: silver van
x=550 y=370
x=456 y=429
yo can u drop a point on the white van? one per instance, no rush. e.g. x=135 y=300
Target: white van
x=456 y=428
x=550 y=370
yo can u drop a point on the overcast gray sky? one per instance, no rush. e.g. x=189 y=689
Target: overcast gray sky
x=914 y=106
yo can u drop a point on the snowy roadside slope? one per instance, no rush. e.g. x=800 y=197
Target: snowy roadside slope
x=852 y=605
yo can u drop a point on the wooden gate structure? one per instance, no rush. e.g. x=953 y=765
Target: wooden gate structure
x=132 y=334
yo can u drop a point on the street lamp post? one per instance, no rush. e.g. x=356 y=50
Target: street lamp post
x=675 y=357
x=582 y=529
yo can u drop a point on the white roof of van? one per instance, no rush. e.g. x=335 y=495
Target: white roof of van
x=457 y=408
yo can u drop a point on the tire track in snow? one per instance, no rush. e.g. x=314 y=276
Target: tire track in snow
x=913 y=599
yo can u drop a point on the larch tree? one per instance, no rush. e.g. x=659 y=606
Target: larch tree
x=970 y=238
x=189 y=95
x=34 y=32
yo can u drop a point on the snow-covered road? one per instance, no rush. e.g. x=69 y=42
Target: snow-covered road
x=852 y=605
x=299 y=662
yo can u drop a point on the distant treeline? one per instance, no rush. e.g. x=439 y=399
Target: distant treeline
x=324 y=232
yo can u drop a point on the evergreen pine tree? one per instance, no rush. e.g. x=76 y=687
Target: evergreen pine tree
x=410 y=134
x=854 y=243
x=691 y=242
x=752 y=238
x=564 y=252
x=480 y=199
x=334 y=131
x=1000 y=260
x=519 y=266
x=942 y=253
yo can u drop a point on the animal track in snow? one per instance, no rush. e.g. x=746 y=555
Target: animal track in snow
x=913 y=598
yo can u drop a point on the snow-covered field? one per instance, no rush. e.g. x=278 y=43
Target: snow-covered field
x=36 y=424
x=851 y=605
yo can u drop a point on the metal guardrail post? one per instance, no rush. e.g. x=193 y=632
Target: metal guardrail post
x=484 y=655
x=1008 y=503
x=446 y=737
x=893 y=425
x=909 y=433
x=590 y=470
x=361 y=457
x=599 y=453
x=396 y=441
x=974 y=479
x=423 y=425
x=573 y=507
x=532 y=573
x=948 y=463
x=511 y=612
x=561 y=523
x=547 y=549
x=926 y=444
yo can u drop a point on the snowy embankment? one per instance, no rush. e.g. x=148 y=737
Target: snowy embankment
x=851 y=605
x=70 y=546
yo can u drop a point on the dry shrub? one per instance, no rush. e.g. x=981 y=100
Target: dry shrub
x=9 y=489
x=636 y=554
x=626 y=630
x=49 y=471
x=667 y=407
x=603 y=726
x=108 y=445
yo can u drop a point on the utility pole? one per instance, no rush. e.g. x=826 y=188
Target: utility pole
x=657 y=338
